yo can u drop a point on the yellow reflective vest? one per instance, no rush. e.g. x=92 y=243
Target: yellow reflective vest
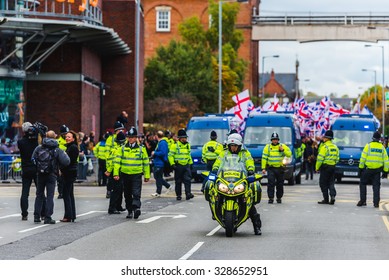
x=328 y=154
x=211 y=150
x=61 y=143
x=100 y=150
x=131 y=160
x=179 y=153
x=374 y=156
x=111 y=156
x=272 y=156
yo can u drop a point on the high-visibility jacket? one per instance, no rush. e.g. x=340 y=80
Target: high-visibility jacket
x=109 y=144
x=272 y=156
x=211 y=150
x=61 y=143
x=179 y=153
x=100 y=150
x=374 y=156
x=131 y=160
x=109 y=161
x=243 y=154
x=328 y=154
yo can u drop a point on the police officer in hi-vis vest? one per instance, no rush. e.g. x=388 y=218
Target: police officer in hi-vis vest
x=130 y=164
x=181 y=161
x=272 y=157
x=373 y=161
x=325 y=163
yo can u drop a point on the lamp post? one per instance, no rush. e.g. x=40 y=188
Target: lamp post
x=383 y=86
x=221 y=49
x=375 y=86
x=137 y=57
x=263 y=75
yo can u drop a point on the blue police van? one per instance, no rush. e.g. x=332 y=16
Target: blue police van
x=351 y=133
x=258 y=131
x=199 y=130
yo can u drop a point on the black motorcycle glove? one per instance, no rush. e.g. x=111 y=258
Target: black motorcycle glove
x=211 y=149
x=250 y=173
x=384 y=175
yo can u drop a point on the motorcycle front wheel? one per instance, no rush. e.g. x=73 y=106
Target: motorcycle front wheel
x=229 y=219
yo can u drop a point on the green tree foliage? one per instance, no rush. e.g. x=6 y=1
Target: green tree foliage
x=189 y=67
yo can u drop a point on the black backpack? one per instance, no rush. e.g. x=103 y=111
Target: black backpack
x=44 y=160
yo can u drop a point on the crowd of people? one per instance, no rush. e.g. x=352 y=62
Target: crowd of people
x=127 y=158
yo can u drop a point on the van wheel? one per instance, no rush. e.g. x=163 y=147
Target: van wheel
x=292 y=180
x=298 y=179
x=339 y=179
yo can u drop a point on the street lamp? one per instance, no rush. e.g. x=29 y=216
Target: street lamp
x=375 y=86
x=383 y=86
x=221 y=48
x=263 y=75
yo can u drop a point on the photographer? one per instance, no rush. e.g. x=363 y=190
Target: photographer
x=26 y=146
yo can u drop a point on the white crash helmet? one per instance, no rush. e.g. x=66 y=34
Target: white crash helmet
x=235 y=139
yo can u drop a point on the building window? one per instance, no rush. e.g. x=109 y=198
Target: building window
x=163 y=19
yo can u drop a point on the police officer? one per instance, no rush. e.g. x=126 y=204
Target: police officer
x=100 y=153
x=131 y=162
x=116 y=186
x=210 y=152
x=373 y=161
x=326 y=160
x=63 y=130
x=110 y=144
x=181 y=161
x=234 y=146
x=272 y=157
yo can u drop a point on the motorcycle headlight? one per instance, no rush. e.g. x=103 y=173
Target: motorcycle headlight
x=239 y=188
x=223 y=188
x=286 y=160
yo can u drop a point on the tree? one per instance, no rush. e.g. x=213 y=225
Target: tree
x=189 y=67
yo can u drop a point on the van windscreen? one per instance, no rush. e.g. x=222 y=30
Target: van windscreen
x=260 y=135
x=198 y=137
x=352 y=138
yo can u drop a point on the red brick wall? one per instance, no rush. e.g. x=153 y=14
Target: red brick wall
x=119 y=72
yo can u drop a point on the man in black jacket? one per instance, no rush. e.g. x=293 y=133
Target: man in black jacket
x=26 y=146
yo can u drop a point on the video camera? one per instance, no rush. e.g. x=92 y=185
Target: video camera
x=37 y=128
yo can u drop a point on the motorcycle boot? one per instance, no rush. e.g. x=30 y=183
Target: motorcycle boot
x=257 y=224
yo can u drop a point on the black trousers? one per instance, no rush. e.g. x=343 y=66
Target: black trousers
x=101 y=177
x=132 y=186
x=182 y=174
x=68 y=196
x=327 y=181
x=116 y=197
x=45 y=182
x=372 y=176
x=275 y=180
x=27 y=179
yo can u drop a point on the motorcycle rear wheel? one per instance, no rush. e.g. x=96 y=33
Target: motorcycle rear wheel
x=229 y=219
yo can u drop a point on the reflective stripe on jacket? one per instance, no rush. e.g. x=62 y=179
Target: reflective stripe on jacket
x=272 y=156
x=328 y=154
x=374 y=156
x=131 y=160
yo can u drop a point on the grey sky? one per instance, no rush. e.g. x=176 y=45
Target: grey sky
x=330 y=67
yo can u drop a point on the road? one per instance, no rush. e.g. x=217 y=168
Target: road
x=297 y=229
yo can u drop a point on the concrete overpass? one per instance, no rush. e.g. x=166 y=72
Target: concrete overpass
x=311 y=27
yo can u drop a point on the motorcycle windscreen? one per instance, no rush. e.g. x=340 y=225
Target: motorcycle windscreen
x=232 y=168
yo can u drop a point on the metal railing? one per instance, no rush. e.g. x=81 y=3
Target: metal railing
x=312 y=19
x=51 y=9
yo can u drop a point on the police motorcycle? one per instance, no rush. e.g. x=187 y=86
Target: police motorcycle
x=231 y=193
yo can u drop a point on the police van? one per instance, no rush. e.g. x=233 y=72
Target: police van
x=199 y=130
x=351 y=133
x=258 y=131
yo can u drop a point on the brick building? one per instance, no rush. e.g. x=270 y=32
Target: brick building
x=162 y=18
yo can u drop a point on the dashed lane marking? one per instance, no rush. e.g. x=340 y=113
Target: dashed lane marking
x=212 y=232
x=9 y=216
x=33 y=228
x=192 y=251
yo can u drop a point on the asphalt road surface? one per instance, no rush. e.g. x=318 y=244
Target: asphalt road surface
x=297 y=229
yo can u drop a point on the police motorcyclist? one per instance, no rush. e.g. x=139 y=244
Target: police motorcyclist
x=234 y=146
x=326 y=160
x=272 y=157
x=373 y=161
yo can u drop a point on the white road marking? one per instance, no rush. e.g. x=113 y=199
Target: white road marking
x=152 y=219
x=192 y=251
x=10 y=216
x=212 y=232
x=90 y=212
x=33 y=228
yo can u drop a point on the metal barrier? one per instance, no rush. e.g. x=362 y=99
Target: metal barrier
x=11 y=169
